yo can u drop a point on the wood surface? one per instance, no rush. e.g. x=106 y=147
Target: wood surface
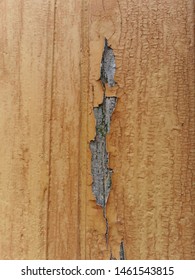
x=50 y=59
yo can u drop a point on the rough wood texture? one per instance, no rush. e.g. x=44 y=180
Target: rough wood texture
x=151 y=143
x=25 y=95
x=50 y=55
x=163 y=159
x=63 y=238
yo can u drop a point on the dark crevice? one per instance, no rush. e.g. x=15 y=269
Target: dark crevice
x=107 y=226
x=122 y=251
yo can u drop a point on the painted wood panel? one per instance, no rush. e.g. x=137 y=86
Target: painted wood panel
x=26 y=48
x=50 y=82
x=151 y=142
x=63 y=234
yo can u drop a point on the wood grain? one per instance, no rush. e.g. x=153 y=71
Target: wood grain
x=26 y=47
x=51 y=52
x=151 y=144
x=63 y=237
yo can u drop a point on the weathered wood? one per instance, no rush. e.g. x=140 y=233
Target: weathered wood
x=151 y=142
x=63 y=234
x=50 y=70
x=26 y=47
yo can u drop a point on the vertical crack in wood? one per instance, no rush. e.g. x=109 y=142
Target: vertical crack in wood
x=122 y=251
x=111 y=256
x=101 y=172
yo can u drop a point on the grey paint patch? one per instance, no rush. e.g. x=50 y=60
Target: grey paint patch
x=100 y=160
x=108 y=66
x=101 y=172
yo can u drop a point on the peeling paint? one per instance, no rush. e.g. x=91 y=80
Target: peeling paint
x=101 y=172
x=108 y=66
x=100 y=159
